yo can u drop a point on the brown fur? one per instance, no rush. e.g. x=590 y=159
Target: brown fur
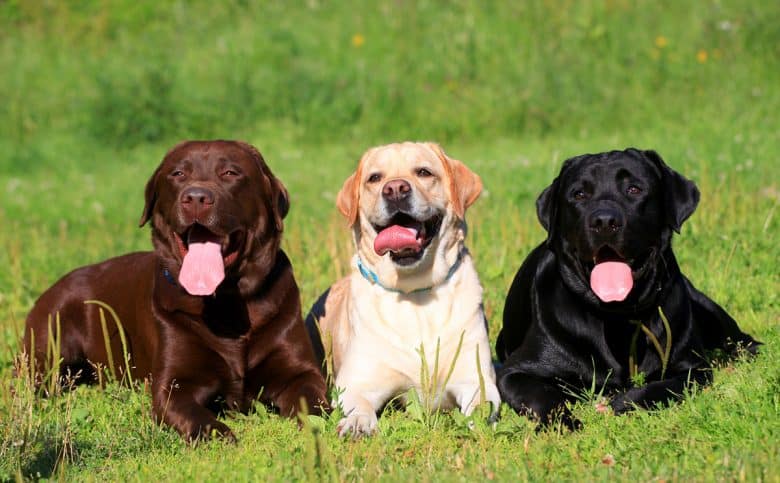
x=246 y=341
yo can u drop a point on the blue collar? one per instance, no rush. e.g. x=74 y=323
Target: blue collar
x=169 y=277
x=372 y=277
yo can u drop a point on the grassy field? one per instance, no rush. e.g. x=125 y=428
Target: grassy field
x=94 y=93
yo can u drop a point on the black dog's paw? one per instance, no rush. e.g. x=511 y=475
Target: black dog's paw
x=621 y=405
x=627 y=401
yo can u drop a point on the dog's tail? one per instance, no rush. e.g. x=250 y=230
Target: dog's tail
x=316 y=313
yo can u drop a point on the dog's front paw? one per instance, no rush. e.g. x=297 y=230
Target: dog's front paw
x=205 y=431
x=357 y=425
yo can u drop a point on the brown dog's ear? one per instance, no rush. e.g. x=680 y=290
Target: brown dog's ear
x=465 y=185
x=281 y=206
x=279 y=198
x=681 y=196
x=150 y=195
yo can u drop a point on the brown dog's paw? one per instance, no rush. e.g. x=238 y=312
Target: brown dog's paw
x=211 y=430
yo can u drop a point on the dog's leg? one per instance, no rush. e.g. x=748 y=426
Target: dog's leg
x=536 y=398
x=465 y=385
x=288 y=392
x=366 y=388
x=177 y=405
x=656 y=392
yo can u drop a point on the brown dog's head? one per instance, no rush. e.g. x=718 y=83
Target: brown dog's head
x=216 y=211
x=406 y=203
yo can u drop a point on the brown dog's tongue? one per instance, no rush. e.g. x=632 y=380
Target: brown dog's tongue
x=395 y=239
x=611 y=281
x=202 y=269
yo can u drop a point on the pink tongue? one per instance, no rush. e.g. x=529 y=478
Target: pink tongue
x=202 y=269
x=611 y=281
x=395 y=239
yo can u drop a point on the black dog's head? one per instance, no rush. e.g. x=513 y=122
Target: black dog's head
x=610 y=217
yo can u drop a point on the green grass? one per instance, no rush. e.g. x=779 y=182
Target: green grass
x=94 y=93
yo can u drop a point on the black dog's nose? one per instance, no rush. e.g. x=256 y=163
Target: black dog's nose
x=197 y=196
x=396 y=190
x=605 y=220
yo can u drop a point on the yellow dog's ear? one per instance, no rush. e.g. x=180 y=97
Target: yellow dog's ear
x=349 y=196
x=465 y=185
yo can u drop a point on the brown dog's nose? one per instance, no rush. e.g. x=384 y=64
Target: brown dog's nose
x=196 y=197
x=396 y=190
x=605 y=220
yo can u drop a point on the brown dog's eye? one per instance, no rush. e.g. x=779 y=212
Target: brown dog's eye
x=177 y=174
x=230 y=172
x=423 y=173
x=579 y=195
x=374 y=178
x=634 y=190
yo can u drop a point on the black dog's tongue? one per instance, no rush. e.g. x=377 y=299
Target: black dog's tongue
x=611 y=281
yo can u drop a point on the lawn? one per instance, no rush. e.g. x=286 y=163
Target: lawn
x=94 y=93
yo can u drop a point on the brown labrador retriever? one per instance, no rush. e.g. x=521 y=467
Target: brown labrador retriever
x=212 y=314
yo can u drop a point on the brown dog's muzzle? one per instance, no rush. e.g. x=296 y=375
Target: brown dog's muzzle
x=196 y=203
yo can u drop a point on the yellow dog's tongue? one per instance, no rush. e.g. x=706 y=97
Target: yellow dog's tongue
x=396 y=238
x=611 y=281
x=202 y=269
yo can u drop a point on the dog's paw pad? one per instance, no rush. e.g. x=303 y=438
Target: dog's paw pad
x=357 y=425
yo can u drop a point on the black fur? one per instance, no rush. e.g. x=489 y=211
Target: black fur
x=558 y=337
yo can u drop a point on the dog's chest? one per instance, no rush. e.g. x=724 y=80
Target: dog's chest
x=404 y=329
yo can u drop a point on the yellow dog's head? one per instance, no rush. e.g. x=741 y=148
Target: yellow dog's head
x=406 y=204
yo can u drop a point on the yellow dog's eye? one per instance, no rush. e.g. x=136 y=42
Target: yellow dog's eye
x=375 y=177
x=423 y=172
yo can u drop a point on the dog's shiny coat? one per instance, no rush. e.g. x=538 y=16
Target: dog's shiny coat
x=559 y=338
x=375 y=323
x=245 y=341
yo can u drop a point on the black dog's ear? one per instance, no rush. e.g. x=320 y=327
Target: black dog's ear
x=681 y=196
x=547 y=202
x=150 y=195
x=545 y=205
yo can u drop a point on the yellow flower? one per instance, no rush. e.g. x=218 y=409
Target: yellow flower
x=358 y=40
x=702 y=56
x=661 y=42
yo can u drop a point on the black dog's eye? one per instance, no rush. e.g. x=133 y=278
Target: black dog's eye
x=375 y=177
x=634 y=190
x=423 y=172
x=579 y=195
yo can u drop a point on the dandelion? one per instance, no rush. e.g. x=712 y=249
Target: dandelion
x=702 y=56
x=661 y=42
x=358 y=40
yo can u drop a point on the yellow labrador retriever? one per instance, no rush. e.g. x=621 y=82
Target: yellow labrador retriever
x=413 y=289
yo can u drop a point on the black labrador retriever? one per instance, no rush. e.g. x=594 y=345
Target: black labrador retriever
x=602 y=301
